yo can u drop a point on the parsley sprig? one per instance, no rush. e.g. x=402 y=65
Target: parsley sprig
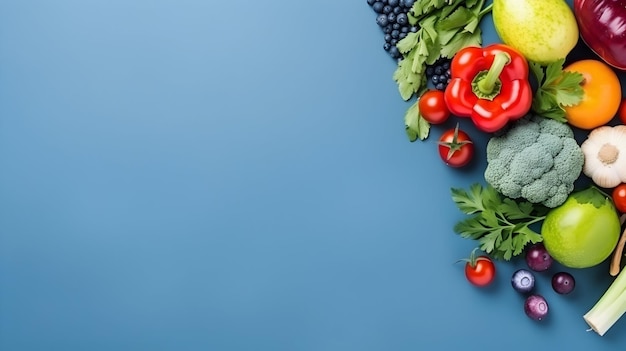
x=557 y=89
x=444 y=28
x=500 y=225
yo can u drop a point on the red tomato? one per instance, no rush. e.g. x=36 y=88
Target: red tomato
x=480 y=271
x=619 y=197
x=433 y=108
x=456 y=148
x=621 y=112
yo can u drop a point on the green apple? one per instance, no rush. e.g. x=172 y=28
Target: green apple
x=544 y=31
x=583 y=231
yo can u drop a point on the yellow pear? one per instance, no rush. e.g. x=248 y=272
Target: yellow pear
x=543 y=31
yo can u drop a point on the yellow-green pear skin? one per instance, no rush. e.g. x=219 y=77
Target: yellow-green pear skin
x=544 y=31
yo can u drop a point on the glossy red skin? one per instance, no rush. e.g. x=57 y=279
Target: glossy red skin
x=433 y=107
x=482 y=273
x=602 y=26
x=460 y=157
x=619 y=197
x=513 y=101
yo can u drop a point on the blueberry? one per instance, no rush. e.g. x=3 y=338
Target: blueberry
x=440 y=86
x=393 y=42
x=387 y=9
x=523 y=281
x=382 y=20
x=371 y=2
x=402 y=18
x=398 y=10
x=413 y=29
x=394 y=52
x=396 y=26
x=443 y=78
x=404 y=29
x=448 y=73
x=388 y=28
x=395 y=33
x=378 y=7
x=446 y=64
x=391 y=17
x=430 y=71
x=435 y=79
x=438 y=70
x=402 y=35
x=408 y=3
x=387 y=46
x=387 y=38
x=393 y=3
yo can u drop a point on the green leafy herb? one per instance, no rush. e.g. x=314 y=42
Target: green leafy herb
x=416 y=126
x=444 y=28
x=557 y=89
x=500 y=225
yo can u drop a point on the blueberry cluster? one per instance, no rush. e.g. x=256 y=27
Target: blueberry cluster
x=439 y=73
x=393 y=20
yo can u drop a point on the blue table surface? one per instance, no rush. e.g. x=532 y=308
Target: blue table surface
x=201 y=175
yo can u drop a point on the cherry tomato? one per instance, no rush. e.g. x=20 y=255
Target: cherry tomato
x=602 y=95
x=456 y=148
x=622 y=111
x=433 y=107
x=480 y=271
x=619 y=197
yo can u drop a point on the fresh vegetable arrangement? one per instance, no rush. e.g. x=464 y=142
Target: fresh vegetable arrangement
x=554 y=187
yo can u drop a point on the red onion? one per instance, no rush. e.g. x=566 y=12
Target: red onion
x=602 y=26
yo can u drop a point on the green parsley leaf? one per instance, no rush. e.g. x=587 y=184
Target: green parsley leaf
x=500 y=225
x=416 y=126
x=557 y=90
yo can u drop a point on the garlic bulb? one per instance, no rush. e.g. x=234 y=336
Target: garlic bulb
x=605 y=156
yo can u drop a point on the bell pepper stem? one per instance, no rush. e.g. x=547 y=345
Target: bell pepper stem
x=488 y=83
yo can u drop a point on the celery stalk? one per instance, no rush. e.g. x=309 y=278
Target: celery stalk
x=611 y=306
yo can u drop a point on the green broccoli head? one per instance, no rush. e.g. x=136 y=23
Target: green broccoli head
x=537 y=159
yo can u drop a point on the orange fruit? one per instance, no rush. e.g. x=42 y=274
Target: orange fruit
x=602 y=95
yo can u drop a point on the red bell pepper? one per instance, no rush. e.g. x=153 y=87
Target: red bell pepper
x=490 y=85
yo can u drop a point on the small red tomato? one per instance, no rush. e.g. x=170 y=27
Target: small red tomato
x=619 y=197
x=433 y=108
x=480 y=271
x=456 y=148
x=621 y=112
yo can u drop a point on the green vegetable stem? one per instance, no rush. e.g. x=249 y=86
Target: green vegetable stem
x=609 y=308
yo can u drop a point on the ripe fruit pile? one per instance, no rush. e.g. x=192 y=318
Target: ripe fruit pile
x=393 y=20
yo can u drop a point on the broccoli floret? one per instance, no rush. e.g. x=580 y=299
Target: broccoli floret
x=537 y=159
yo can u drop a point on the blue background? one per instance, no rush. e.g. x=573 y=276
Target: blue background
x=202 y=175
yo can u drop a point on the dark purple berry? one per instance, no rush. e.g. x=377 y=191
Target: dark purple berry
x=393 y=3
x=395 y=33
x=391 y=17
x=429 y=71
x=563 y=283
x=387 y=46
x=435 y=79
x=387 y=38
x=387 y=9
x=371 y=2
x=440 y=86
x=536 y=307
x=538 y=258
x=398 y=10
x=396 y=26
